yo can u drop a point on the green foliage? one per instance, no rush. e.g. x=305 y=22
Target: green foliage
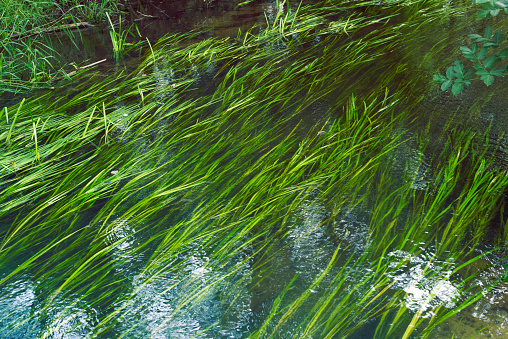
x=456 y=76
x=111 y=194
x=119 y=39
x=482 y=53
x=491 y=7
x=27 y=57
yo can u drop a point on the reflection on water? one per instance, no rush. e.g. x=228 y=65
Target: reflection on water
x=70 y=319
x=18 y=301
x=425 y=280
x=165 y=79
x=195 y=297
x=189 y=300
x=214 y=19
x=490 y=313
x=21 y=312
x=353 y=228
x=122 y=238
x=311 y=248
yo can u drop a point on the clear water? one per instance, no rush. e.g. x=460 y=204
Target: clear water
x=161 y=307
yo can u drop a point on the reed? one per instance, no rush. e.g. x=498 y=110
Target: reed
x=119 y=39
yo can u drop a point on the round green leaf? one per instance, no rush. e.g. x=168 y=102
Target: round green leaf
x=446 y=85
x=457 y=88
x=449 y=73
x=482 y=53
x=488 y=79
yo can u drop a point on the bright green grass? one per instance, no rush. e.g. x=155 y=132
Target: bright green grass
x=112 y=191
x=28 y=59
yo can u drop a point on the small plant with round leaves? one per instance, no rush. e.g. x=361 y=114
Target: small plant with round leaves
x=483 y=52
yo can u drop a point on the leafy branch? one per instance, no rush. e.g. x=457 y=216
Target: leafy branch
x=478 y=53
x=491 y=7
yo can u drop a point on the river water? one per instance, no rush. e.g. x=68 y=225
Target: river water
x=160 y=307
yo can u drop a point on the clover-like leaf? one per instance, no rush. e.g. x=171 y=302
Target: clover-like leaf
x=466 y=50
x=487 y=79
x=483 y=13
x=475 y=48
x=457 y=87
x=500 y=4
x=482 y=72
x=497 y=72
x=498 y=37
x=446 y=85
x=490 y=44
x=468 y=75
x=471 y=57
x=488 y=32
x=459 y=69
x=469 y=53
x=490 y=61
x=449 y=73
x=482 y=53
x=439 y=78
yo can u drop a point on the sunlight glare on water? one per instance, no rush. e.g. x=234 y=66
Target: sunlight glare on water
x=17 y=300
x=185 y=303
x=489 y=313
x=165 y=282
x=425 y=280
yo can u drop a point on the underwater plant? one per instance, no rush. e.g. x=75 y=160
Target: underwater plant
x=263 y=186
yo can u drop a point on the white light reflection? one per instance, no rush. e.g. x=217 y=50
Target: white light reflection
x=70 y=319
x=311 y=248
x=18 y=302
x=425 y=280
x=486 y=318
x=192 y=300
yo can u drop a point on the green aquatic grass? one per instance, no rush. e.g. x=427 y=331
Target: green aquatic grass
x=119 y=39
x=113 y=190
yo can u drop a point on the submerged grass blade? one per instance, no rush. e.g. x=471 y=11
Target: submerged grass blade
x=211 y=184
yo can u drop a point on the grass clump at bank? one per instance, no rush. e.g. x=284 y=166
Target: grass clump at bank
x=28 y=31
x=195 y=195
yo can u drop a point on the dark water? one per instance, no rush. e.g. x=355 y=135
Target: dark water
x=219 y=19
